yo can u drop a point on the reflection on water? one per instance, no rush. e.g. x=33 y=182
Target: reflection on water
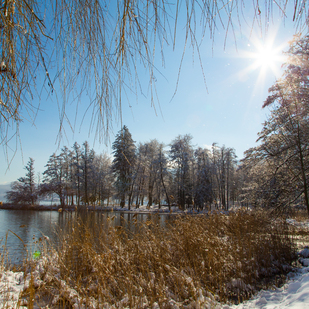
x=30 y=225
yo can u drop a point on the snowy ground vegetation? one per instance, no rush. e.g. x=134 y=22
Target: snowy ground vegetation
x=198 y=262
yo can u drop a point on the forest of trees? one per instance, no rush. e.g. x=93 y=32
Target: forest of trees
x=274 y=174
x=146 y=173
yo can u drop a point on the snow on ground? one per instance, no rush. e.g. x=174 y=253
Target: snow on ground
x=294 y=294
x=153 y=209
x=11 y=286
x=144 y=209
x=299 y=224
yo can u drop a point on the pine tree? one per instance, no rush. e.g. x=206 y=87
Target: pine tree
x=124 y=151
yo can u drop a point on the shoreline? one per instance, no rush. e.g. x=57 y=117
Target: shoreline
x=164 y=209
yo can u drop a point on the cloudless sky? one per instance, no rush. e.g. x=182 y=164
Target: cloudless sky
x=227 y=112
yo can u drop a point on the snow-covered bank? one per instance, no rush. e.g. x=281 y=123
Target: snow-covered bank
x=304 y=225
x=294 y=294
x=133 y=209
x=11 y=287
x=143 y=209
x=153 y=209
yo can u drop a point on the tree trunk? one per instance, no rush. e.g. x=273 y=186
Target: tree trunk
x=303 y=174
x=150 y=196
x=166 y=195
x=137 y=201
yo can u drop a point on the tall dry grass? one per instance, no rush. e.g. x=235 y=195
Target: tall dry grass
x=196 y=260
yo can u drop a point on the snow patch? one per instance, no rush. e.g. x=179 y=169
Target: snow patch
x=294 y=294
x=304 y=253
x=11 y=287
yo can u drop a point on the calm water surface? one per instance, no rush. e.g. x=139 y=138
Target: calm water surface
x=30 y=225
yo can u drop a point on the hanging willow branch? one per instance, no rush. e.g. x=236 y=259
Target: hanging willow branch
x=100 y=46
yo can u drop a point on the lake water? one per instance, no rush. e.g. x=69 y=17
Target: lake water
x=21 y=229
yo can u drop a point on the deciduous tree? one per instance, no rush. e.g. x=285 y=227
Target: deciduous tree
x=181 y=155
x=283 y=151
x=25 y=189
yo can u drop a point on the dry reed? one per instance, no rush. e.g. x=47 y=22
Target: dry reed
x=197 y=260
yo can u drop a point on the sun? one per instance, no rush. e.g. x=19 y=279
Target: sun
x=267 y=57
x=263 y=59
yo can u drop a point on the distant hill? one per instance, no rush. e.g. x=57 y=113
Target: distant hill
x=3 y=189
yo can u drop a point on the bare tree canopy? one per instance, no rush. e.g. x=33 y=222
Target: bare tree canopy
x=68 y=47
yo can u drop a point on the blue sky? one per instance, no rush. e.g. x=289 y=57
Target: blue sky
x=227 y=112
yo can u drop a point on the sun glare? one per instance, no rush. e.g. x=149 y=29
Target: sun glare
x=264 y=58
x=267 y=57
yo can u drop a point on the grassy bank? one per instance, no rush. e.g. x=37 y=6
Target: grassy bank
x=196 y=261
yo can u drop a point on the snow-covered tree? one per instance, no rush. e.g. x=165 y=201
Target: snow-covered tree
x=181 y=155
x=25 y=189
x=102 y=179
x=283 y=151
x=54 y=178
x=147 y=177
x=163 y=172
x=140 y=175
x=77 y=157
x=68 y=174
x=203 y=193
x=124 y=151
x=223 y=171
x=87 y=157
